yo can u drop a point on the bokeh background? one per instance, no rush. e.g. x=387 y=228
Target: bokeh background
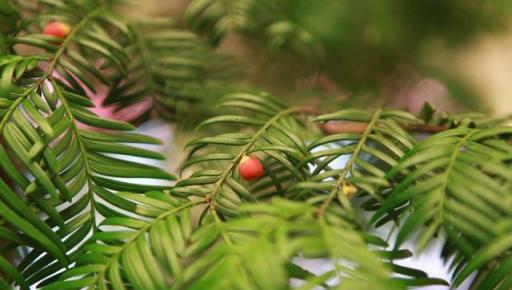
x=456 y=53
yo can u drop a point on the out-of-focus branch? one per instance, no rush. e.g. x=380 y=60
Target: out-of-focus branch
x=336 y=127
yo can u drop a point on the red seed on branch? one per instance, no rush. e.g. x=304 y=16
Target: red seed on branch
x=57 y=29
x=250 y=168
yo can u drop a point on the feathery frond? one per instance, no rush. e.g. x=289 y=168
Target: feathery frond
x=260 y=19
x=273 y=139
x=170 y=69
x=368 y=156
x=47 y=126
x=254 y=251
x=457 y=180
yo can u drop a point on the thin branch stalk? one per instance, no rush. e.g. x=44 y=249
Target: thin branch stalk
x=341 y=182
x=336 y=127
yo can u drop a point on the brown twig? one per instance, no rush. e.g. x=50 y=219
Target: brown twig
x=335 y=127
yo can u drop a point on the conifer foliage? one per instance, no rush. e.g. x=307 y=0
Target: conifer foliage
x=74 y=215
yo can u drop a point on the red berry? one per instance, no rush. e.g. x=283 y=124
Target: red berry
x=57 y=29
x=250 y=168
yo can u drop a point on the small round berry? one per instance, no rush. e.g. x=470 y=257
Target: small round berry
x=57 y=29
x=250 y=168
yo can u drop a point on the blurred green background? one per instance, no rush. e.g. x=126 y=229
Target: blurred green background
x=454 y=53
